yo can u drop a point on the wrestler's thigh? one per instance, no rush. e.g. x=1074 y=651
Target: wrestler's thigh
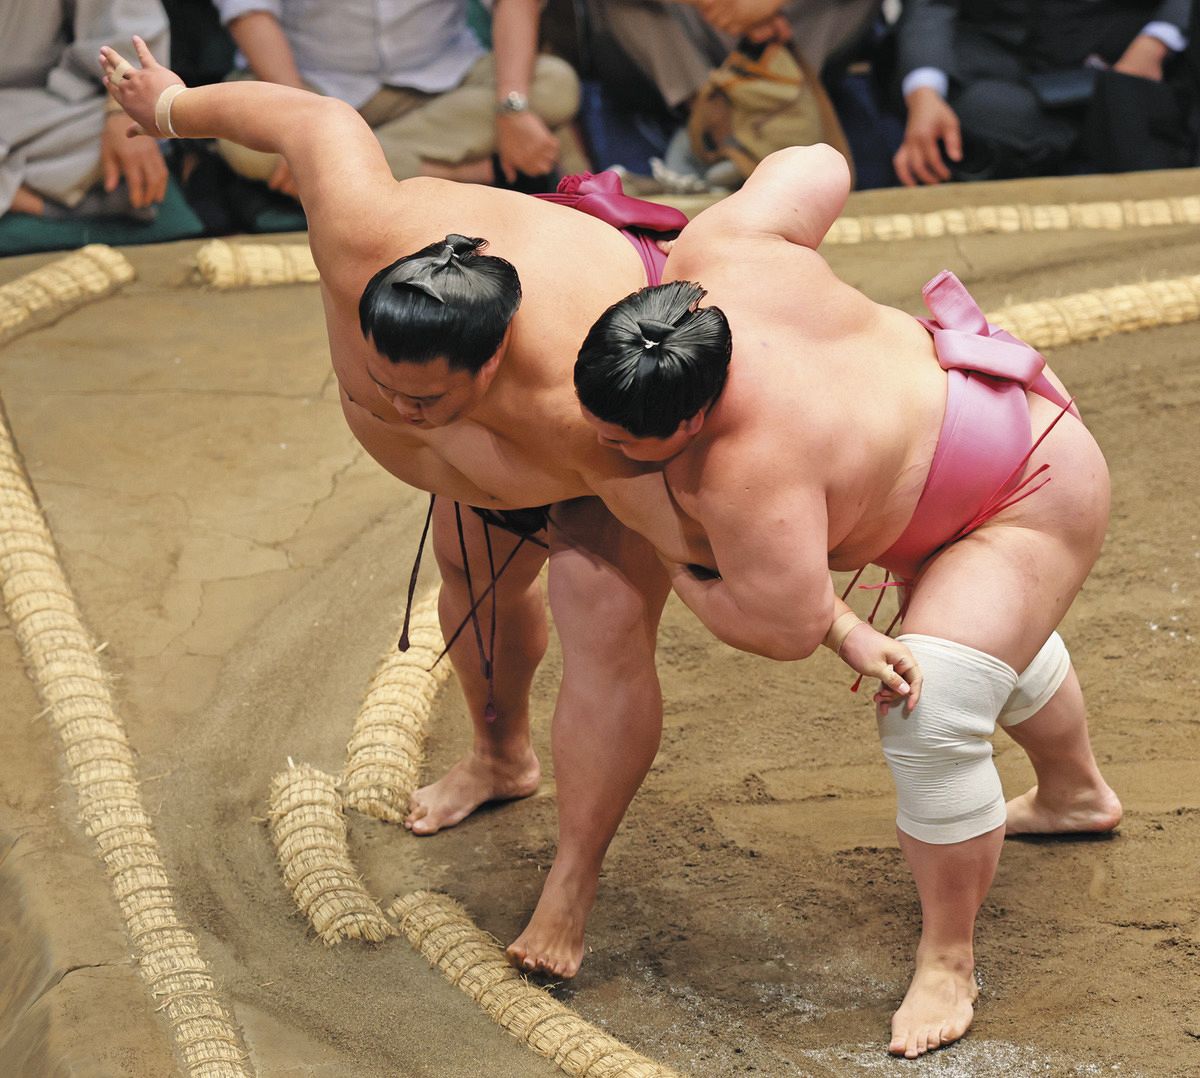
x=607 y=585
x=522 y=570
x=1005 y=587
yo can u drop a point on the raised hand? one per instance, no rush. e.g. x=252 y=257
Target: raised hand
x=137 y=90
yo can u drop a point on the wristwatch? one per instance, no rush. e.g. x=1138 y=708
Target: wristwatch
x=512 y=103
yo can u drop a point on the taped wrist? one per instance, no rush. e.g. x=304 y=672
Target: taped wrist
x=162 y=110
x=841 y=628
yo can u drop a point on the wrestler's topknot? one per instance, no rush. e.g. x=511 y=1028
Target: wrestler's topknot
x=654 y=360
x=447 y=299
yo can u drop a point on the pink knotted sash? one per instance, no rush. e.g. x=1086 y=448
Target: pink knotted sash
x=965 y=340
x=601 y=196
x=984 y=443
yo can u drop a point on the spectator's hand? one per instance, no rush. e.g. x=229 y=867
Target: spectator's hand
x=281 y=180
x=138 y=90
x=776 y=28
x=737 y=17
x=932 y=124
x=1143 y=58
x=138 y=161
x=524 y=144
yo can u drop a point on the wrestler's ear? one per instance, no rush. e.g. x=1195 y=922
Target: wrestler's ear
x=491 y=364
x=691 y=427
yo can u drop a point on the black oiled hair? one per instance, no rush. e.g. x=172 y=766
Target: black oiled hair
x=447 y=300
x=654 y=359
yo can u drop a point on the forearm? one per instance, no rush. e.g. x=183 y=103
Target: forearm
x=514 y=44
x=261 y=115
x=714 y=603
x=262 y=41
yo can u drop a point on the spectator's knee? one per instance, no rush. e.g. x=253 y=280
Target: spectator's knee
x=250 y=164
x=555 y=93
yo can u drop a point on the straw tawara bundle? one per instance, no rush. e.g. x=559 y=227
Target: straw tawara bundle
x=387 y=747
x=249 y=265
x=441 y=930
x=1019 y=217
x=1101 y=312
x=62 y=662
x=308 y=828
x=46 y=294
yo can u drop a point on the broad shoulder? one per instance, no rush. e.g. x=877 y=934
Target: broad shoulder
x=541 y=239
x=793 y=196
x=752 y=440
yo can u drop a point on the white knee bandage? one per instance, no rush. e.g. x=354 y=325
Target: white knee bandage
x=1040 y=680
x=947 y=788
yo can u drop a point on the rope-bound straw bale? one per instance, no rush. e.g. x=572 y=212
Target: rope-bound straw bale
x=62 y=661
x=441 y=930
x=387 y=746
x=1101 y=312
x=46 y=294
x=1020 y=217
x=308 y=828
x=246 y=265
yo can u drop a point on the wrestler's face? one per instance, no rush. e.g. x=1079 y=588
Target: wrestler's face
x=429 y=395
x=648 y=450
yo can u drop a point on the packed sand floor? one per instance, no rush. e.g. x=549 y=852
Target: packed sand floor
x=244 y=563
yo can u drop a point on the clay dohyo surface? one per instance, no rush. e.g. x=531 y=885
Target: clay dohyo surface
x=245 y=563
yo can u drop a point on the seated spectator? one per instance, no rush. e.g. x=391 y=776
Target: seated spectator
x=678 y=42
x=438 y=101
x=998 y=90
x=677 y=45
x=63 y=150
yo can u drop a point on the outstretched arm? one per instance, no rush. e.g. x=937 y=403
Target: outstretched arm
x=795 y=193
x=338 y=166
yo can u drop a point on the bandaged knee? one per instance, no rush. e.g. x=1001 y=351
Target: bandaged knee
x=940 y=755
x=1039 y=681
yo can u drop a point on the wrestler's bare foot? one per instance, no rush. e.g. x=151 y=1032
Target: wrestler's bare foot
x=1088 y=810
x=937 y=1008
x=552 y=942
x=473 y=781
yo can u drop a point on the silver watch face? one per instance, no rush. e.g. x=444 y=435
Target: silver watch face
x=513 y=101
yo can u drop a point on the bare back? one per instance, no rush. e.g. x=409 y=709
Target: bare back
x=827 y=389
x=526 y=444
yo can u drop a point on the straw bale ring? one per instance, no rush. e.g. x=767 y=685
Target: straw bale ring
x=308 y=828
x=59 y=287
x=1102 y=312
x=387 y=747
x=249 y=265
x=441 y=930
x=62 y=661
x=1018 y=217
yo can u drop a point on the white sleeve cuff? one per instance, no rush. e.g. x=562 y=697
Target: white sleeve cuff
x=1169 y=34
x=232 y=9
x=925 y=76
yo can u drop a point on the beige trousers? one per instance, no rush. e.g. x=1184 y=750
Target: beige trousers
x=451 y=128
